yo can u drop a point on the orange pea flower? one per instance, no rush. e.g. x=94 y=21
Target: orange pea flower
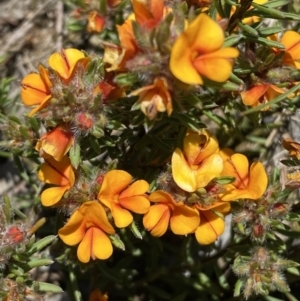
x=65 y=62
x=260 y=94
x=55 y=143
x=97 y=295
x=291 y=41
x=182 y=219
x=250 y=183
x=59 y=173
x=36 y=90
x=120 y=196
x=212 y=223
x=154 y=98
x=198 y=52
x=96 y=23
x=198 y=163
x=87 y=227
x=292 y=146
x=149 y=13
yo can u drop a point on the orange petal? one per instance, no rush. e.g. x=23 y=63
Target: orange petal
x=211 y=227
x=291 y=41
x=137 y=188
x=56 y=172
x=94 y=213
x=122 y=217
x=101 y=244
x=183 y=175
x=34 y=90
x=84 y=250
x=56 y=143
x=156 y=220
x=114 y=182
x=138 y=204
x=184 y=220
x=237 y=166
x=65 y=61
x=216 y=66
x=258 y=181
x=251 y=97
x=198 y=147
x=160 y=196
x=53 y=195
x=73 y=232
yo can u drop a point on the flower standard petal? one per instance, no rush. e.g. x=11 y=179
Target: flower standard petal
x=101 y=244
x=291 y=41
x=251 y=97
x=210 y=228
x=184 y=219
x=34 y=90
x=114 y=182
x=156 y=220
x=73 y=232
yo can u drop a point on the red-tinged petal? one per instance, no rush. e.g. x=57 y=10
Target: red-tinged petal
x=56 y=143
x=182 y=173
x=237 y=166
x=156 y=220
x=138 y=204
x=34 y=90
x=122 y=217
x=101 y=245
x=291 y=41
x=97 y=295
x=44 y=73
x=214 y=67
x=65 y=61
x=95 y=214
x=55 y=172
x=196 y=147
x=137 y=188
x=51 y=196
x=114 y=182
x=84 y=251
x=211 y=227
x=73 y=232
x=184 y=220
x=258 y=181
x=251 y=97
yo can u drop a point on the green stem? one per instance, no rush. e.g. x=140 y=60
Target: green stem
x=74 y=285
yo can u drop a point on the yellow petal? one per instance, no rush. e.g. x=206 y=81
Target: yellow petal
x=53 y=195
x=65 y=61
x=73 y=232
x=198 y=147
x=211 y=227
x=85 y=247
x=122 y=217
x=216 y=66
x=291 y=41
x=114 y=182
x=183 y=175
x=156 y=220
x=202 y=36
x=258 y=181
x=101 y=244
x=184 y=220
x=95 y=214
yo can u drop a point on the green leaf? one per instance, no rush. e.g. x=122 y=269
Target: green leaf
x=270 y=30
x=6 y=207
x=248 y=29
x=46 y=287
x=40 y=244
x=232 y=40
x=75 y=155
